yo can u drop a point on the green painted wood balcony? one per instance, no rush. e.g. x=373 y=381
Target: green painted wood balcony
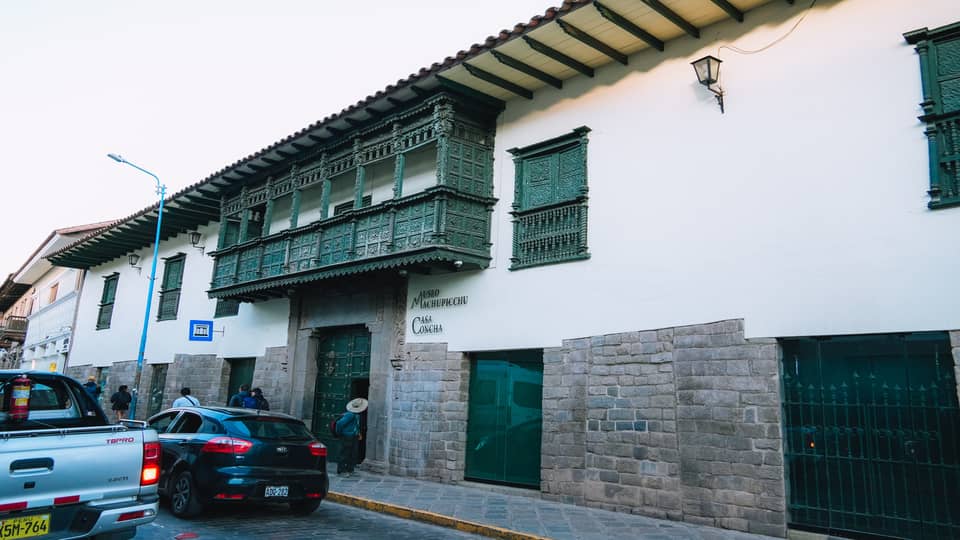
x=438 y=229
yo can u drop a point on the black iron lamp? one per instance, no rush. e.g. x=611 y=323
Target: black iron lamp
x=708 y=73
x=195 y=241
x=133 y=259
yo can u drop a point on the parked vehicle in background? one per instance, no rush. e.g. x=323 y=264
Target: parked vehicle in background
x=222 y=455
x=65 y=470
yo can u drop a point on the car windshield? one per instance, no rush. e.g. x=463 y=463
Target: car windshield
x=263 y=427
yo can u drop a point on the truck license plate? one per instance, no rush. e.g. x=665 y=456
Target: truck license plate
x=276 y=491
x=24 y=527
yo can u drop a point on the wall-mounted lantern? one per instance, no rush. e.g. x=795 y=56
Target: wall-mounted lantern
x=708 y=73
x=132 y=260
x=195 y=241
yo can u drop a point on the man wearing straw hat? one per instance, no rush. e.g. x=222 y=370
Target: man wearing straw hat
x=348 y=427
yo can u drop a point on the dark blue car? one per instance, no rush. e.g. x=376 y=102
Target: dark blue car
x=222 y=455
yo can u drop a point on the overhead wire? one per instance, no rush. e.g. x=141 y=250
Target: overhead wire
x=738 y=50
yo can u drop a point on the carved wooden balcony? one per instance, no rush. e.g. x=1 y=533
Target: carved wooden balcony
x=13 y=329
x=439 y=229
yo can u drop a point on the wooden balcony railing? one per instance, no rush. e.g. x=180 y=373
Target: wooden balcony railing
x=437 y=226
x=13 y=328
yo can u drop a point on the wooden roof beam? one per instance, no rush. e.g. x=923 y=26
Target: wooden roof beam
x=592 y=42
x=730 y=9
x=671 y=16
x=497 y=81
x=524 y=68
x=554 y=54
x=468 y=91
x=627 y=25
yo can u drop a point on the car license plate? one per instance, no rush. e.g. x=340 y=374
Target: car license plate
x=24 y=527
x=276 y=491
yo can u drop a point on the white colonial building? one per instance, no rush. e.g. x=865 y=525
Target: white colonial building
x=42 y=302
x=558 y=260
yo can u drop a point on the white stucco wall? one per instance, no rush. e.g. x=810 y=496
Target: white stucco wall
x=50 y=323
x=801 y=210
x=256 y=327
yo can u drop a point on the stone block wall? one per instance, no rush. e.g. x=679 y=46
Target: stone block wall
x=203 y=373
x=428 y=428
x=563 y=440
x=678 y=423
x=271 y=373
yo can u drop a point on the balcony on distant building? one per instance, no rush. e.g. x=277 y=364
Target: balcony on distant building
x=13 y=329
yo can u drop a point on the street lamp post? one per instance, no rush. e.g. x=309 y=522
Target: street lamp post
x=161 y=191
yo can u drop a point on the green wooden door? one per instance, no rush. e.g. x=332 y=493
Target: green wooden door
x=505 y=418
x=158 y=381
x=241 y=372
x=872 y=435
x=343 y=359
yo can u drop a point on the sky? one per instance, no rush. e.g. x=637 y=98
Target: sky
x=184 y=88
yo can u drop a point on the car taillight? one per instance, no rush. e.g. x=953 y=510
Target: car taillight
x=318 y=449
x=226 y=445
x=150 y=471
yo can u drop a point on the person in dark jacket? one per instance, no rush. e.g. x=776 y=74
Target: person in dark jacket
x=236 y=400
x=261 y=402
x=92 y=387
x=121 y=402
x=348 y=428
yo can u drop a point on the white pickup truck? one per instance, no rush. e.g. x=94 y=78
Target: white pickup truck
x=65 y=470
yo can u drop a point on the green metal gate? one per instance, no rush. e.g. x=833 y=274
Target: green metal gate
x=343 y=370
x=872 y=435
x=505 y=418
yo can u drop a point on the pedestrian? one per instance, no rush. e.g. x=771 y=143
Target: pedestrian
x=185 y=399
x=92 y=387
x=236 y=400
x=348 y=427
x=121 y=402
x=261 y=402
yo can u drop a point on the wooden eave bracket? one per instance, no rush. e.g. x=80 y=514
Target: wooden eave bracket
x=554 y=54
x=730 y=9
x=629 y=26
x=498 y=81
x=526 y=69
x=591 y=41
x=672 y=16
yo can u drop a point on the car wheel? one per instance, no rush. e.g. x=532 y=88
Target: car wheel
x=302 y=508
x=183 y=496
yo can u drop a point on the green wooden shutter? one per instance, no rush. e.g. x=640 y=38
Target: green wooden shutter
x=226 y=308
x=170 y=288
x=106 y=301
x=550 y=202
x=939 y=51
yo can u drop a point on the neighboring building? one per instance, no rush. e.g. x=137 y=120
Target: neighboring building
x=14 y=307
x=551 y=262
x=39 y=303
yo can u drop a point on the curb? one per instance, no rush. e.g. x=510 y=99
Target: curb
x=431 y=517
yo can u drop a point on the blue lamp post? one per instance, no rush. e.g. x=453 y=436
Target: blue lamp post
x=161 y=191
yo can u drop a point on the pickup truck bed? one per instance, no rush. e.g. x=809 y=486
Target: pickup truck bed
x=66 y=472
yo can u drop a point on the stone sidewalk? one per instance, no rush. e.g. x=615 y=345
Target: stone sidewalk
x=496 y=512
